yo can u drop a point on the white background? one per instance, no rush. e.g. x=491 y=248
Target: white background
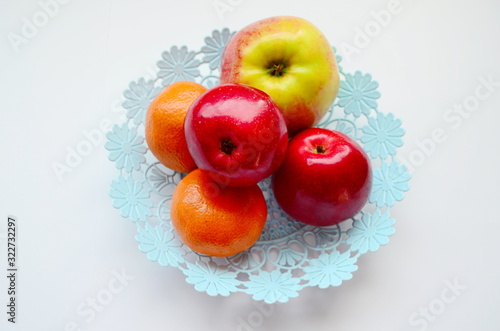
x=70 y=76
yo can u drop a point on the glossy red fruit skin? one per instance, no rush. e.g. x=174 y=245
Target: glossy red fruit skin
x=323 y=186
x=241 y=119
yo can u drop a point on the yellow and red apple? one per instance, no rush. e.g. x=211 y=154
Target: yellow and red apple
x=290 y=59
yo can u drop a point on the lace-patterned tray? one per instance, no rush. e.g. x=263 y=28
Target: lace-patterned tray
x=289 y=255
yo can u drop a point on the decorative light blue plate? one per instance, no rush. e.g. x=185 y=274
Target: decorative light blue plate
x=289 y=255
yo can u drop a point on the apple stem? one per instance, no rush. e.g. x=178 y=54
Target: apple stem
x=319 y=149
x=277 y=69
x=227 y=146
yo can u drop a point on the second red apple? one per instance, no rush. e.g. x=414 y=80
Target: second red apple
x=326 y=178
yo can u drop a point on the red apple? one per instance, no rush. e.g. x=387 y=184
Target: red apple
x=325 y=178
x=236 y=133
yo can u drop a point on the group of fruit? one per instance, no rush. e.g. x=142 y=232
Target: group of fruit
x=278 y=79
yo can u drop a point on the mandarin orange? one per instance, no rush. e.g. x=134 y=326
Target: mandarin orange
x=165 y=125
x=217 y=220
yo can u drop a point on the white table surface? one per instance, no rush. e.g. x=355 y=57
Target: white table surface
x=67 y=77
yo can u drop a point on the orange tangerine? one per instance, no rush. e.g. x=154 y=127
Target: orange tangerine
x=165 y=125
x=217 y=220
